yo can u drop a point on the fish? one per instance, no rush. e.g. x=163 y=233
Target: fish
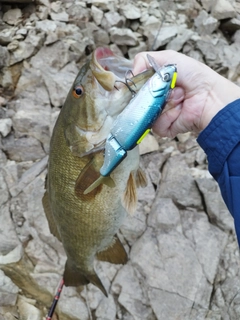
x=87 y=224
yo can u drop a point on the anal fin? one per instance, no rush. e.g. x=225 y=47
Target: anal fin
x=49 y=215
x=115 y=253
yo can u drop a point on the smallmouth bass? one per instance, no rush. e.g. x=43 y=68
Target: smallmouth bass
x=87 y=224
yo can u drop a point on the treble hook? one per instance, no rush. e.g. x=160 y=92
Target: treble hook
x=133 y=92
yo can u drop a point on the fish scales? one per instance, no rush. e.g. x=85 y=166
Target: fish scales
x=87 y=224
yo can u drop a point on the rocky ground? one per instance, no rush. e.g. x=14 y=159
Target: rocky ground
x=184 y=258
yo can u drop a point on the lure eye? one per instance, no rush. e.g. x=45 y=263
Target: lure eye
x=166 y=77
x=78 y=92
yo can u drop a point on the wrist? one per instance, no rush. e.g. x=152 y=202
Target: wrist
x=222 y=93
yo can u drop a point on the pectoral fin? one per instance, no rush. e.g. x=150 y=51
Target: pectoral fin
x=73 y=277
x=49 y=215
x=129 y=200
x=101 y=180
x=115 y=253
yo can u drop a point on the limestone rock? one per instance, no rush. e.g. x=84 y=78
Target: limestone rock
x=130 y=11
x=123 y=36
x=5 y=126
x=60 y=16
x=26 y=48
x=6 y=36
x=4 y=61
x=179 y=185
x=215 y=207
x=8 y=236
x=23 y=149
x=160 y=39
x=222 y=9
x=113 y=19
x=178 y=42
x=97 y=15
x=12 y=16
x=205 y=23
x=132 y=296
x=8 y=291
x=26 y=307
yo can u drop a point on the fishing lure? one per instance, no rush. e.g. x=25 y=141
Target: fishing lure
x=136 y=120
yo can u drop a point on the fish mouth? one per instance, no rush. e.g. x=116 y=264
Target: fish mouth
x=107 y=67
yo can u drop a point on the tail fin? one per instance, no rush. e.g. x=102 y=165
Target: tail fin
x=73 y=277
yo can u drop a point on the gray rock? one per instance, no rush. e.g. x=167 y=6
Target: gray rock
x=6 y=36
x=208 y=241
x=131 y=295
x=215 y=207
x=164 y=215
x=222 y=9
x=4 y=61
x=29 y=176
x=169 y=305
x=8 y=291
x=101 y=37
x=12 y=16
x=42 y=12
x=207 y=4
x=97 y=15
x=8 y=237
x=205 y=23
x=23 y=149
x=49 y=56
x=178 y=42
x=106 y=309
x=26 y=307
x=12 y=46
x=133 y=51
x=5 y=126
x=60 y=16
x=26 y=48
x=3 y=189
x=178 y=184
x=59 y=83
x=72 y=306
x=79 y=15
x=160 y=39
x=123 y=36
x=46 y=25
x=113 y=19
x=155 y=256
x=104 y=5
x=130 y=11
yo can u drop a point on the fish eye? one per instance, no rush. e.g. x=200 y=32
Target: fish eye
x=78 y=91
x=166 y=77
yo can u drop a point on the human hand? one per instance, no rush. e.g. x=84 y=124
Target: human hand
x=199 y=94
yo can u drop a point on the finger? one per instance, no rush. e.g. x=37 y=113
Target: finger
x=176 y=97
x=164 y=124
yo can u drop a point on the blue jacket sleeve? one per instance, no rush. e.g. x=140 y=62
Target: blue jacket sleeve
x=221 y=142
